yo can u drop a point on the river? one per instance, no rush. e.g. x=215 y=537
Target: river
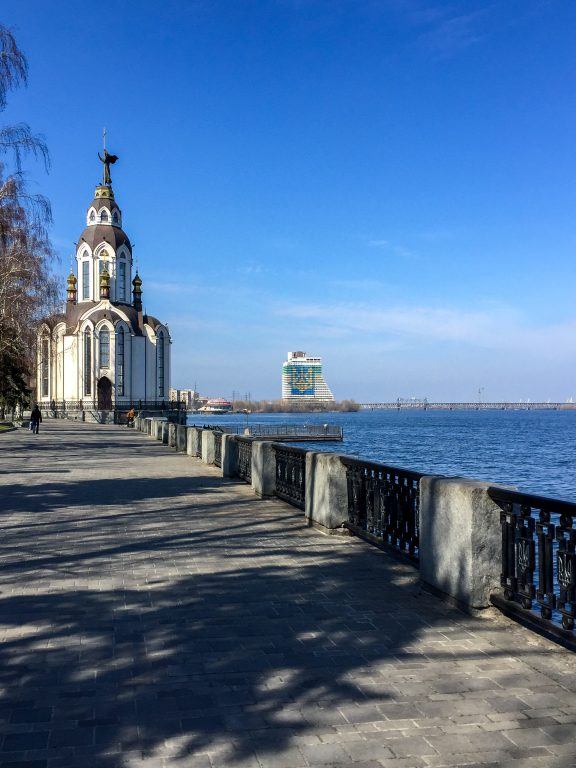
x=534 y=450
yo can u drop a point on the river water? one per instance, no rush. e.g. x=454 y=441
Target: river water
x=534 y=450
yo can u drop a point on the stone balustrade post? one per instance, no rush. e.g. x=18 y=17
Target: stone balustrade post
x=208 y=446
x=181 y=437
x=148 y=426
x=460 y=540
x=326 y=492
x=191 y=441
x=165 y=432
x=263 y=468
x=172 y=435
x=196 y=445
x=229 y=455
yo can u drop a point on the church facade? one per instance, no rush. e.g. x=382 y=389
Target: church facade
x=102 y=352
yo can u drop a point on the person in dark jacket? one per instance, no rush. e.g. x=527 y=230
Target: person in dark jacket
x=35 y=419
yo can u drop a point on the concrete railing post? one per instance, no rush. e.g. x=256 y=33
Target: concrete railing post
x=460 y=540
x=208 y=446
x=191 y=441
x=198 y=442
x=326 y=492
x=263 y=468
x=229 y=455
x=181 y=437
x=165 y=432
x=172 y=435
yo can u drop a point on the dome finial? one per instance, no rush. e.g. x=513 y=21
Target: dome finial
x=137 y=292
x=71 y=292
x=104 y=282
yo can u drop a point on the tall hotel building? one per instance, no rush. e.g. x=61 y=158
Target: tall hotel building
x=302 y=379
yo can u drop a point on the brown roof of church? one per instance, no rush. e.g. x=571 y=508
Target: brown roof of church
x=75 y=312
x=99 y=233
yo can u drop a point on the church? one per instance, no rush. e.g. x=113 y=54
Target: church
x=103 y=352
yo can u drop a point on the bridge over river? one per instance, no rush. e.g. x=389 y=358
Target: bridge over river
x=425 y=405
x=156 y=614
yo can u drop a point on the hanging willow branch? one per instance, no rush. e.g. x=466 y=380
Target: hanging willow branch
x=28 y=289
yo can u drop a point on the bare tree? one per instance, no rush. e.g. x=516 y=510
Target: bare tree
x=28 y=289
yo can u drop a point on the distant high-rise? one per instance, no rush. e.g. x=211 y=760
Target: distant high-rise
x=302 y=378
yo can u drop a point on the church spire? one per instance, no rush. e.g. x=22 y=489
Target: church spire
x=106 y=161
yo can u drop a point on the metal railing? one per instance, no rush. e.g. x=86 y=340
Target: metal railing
x=296 y=430
x=218 y=448
x=95 y=405
x=383 y=504
x=539 y=556
x=244 y=468
x=291 y=475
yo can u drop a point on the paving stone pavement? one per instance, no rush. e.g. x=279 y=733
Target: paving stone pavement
x=153 y=615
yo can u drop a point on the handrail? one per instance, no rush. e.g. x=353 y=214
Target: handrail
x=353 y=461
x=560 y=506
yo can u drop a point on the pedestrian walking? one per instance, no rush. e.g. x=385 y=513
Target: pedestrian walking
x=35 y=419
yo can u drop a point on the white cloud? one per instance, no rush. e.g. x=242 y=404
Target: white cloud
x=491 y=327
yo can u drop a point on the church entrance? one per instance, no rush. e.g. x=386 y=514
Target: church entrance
x=104 y=394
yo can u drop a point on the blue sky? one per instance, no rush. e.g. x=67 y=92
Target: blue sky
x=390 y=184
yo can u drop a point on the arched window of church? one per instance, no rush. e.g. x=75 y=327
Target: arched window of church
x=92 y=216
x=115 y=217
x=44 y=367
x=104 y=339
x=87 y=362
x=120 y=363
x=121 y=281
x=104 y=216
x=160 y=363
x=85 y=279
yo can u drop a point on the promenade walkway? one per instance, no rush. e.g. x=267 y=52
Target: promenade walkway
x=153 y=614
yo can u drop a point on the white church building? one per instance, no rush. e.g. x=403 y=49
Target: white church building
x=103 y=352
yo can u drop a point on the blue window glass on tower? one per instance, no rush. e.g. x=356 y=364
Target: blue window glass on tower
x=121 y=281
x=85 y=279
x=120 y=363
x=160 y=365
x=104 y=348
x=87 y=362
x=44 y=366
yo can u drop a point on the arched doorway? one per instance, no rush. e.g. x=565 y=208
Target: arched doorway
x=104 y=394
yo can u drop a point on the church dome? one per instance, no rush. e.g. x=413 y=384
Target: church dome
x=101 y=233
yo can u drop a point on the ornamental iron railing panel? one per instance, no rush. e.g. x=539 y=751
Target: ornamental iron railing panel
x=122 y=405
x=383 y=504
x=218 y=448
x=539 y=556
x=291 y=475
x=244 y=469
